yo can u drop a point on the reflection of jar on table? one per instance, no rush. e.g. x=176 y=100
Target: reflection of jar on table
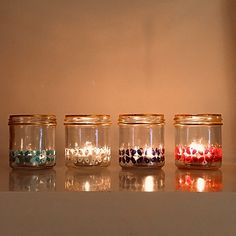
x=87 y=180
x=144 y=181
x=32 y=181
x=198 y=180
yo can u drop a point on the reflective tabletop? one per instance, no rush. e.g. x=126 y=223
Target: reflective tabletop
x=115 y=179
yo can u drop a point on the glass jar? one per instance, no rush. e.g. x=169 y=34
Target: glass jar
x=32 y=141
x=87 y=140
x=198 y=141
x=141 y=139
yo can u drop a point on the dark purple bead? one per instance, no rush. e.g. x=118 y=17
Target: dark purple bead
x=153 y=152
x=162 y=158
x=146 y=160
x=120 y=159
x=133 y=152
x=133 y=160
x=154 y=159
x=158 y=159
x=127 y=152
x=127 y=159
x=140 y=160
x=120 y=152
x=123 y=159
x=162 y=151
x=123 y=152
x=157 y=151
x=140 y=151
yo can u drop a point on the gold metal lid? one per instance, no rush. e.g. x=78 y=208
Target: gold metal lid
x=198 y=119
x=36 y=119
x=87 y=120
x=141 y=119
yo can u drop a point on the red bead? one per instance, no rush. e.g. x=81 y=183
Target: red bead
x=218 y=154
x=206 y=151
x=177 y=150
x=177 y=157
x=194 y=151
x=212 y=150
x=209 y=158
x=195 y=159
x=200 y=152
x=188 y=158
x=201 y=159
x=188 y=150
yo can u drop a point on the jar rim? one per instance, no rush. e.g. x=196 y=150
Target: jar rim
x=87 y=119
x=198 y=119
x=32 y=119
x=141 y=118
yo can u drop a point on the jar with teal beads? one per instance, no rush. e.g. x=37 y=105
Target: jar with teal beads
x=32 y=141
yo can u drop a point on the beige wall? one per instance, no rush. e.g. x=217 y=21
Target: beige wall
x=67 y=57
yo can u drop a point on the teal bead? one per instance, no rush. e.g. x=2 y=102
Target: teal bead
x=38 y=152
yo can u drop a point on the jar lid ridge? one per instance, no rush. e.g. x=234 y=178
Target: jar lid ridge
x=198 y=119
x=87 y=119
x=141 y=119
x=33 y=119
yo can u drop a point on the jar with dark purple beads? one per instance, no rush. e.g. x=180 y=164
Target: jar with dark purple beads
x=141 y=140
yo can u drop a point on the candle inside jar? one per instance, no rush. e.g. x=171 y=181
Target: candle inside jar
x=88 y=155
x=141 y=156
x=198 y=154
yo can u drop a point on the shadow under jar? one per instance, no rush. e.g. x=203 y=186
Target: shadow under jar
x=32 y=141
x=87 y=141
x=141 y=141
x=198 y=141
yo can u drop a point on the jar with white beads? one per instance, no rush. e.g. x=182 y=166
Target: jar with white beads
x=87 y=140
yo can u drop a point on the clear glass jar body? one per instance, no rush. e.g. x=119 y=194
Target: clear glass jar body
x=87 y=140
x=141 y=141
x=32 y=141
x=198 y=142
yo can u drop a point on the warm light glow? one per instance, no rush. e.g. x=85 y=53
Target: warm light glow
x=149 y=184
x=149 y=152
x=200 y=184
x=197 y=146
x=87 y=186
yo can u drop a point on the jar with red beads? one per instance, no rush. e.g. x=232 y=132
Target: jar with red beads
x=198 y=141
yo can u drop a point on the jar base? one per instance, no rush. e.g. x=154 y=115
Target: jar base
x=73 y=165
x=31 y=167
x=189 y=166
x=140 y=167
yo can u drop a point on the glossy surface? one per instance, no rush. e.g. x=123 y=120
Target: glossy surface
x=116 y=179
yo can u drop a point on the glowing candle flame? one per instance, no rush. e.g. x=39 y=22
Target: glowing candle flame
x=197 y=146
